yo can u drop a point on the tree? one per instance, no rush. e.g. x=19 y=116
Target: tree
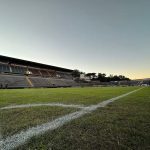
x=102 y=77
x=91 y=75
x=76 y=73
x=117 y=78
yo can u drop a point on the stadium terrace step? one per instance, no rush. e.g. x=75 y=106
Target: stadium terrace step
x=11 y=81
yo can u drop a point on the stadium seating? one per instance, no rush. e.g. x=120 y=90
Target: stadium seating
x=57 y=82
x=40 y=82
x=16 y=73
x=63 y=75
x=44 y=73
x=18 y=70
x=52 y=73
x=11 y=81
x=35 y=72
x=62 y=82
x=4 y=68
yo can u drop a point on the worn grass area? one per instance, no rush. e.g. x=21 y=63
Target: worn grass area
x=15 y=120
x=122 y=125
x=85 y=96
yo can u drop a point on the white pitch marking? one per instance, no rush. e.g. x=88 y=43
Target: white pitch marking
x=19 y=139
x=42 y=104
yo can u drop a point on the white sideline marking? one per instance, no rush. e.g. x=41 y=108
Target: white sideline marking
x=42 y=104
x=19 y=139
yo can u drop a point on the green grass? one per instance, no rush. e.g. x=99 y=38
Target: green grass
x=124 y=124
x=85 y=96
x=16 y=120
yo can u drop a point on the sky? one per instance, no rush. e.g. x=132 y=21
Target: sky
x=107 y=36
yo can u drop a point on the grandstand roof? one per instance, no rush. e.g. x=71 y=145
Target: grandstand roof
x=32 y=64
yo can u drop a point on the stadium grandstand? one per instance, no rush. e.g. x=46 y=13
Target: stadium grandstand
x=18 y=73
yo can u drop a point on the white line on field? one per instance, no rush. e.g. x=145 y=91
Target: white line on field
x=19 y=139
x=42 y=104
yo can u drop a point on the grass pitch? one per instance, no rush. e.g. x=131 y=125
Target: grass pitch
x=16 y=120
x=124 y=124
x=86 y=96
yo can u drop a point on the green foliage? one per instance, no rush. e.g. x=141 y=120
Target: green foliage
x=100 y=76
x=91 y=75
x=76 y=73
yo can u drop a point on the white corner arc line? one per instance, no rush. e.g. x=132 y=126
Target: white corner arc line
x=42 y=104
x=19 y=139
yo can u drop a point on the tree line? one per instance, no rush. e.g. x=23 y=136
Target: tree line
x=102 y=77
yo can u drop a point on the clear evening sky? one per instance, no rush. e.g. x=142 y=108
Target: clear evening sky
x=110 y=36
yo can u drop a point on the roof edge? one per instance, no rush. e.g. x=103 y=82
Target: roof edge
x=27 y=62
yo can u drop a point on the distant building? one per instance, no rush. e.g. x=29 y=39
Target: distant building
x=85 y=78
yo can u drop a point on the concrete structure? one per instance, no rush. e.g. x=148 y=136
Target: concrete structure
x=18 y=73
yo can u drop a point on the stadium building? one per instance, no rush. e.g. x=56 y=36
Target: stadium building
x=18 y=73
